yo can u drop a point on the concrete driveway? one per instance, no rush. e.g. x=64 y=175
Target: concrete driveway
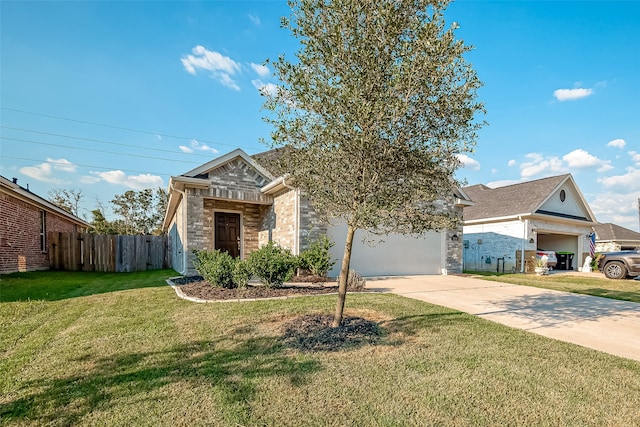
x=603 y=324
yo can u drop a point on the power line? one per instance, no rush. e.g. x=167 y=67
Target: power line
x=120 y=127
x=98 y=151
x=82 y=165
x=99 y=141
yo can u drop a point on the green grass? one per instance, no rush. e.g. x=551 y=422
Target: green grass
x=57 y=285
x=599 y=286
x=138 y=355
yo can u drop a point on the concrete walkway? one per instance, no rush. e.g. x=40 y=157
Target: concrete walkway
x=603 y=324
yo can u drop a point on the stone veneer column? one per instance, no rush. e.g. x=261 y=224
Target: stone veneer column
x=195 y=222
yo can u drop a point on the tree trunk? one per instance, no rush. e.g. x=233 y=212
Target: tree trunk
x=344 y=275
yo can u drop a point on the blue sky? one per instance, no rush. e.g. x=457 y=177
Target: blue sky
x=110 y=96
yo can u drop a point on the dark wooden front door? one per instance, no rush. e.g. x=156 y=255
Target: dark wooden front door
x=227 y=233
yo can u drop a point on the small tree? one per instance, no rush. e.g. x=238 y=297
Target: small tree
x=374 y=113
x=67 y=199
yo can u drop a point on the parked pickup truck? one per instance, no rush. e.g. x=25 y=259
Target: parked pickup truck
x=618 y=265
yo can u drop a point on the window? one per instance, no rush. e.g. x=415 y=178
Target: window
x=563 y=195
x=43 y=231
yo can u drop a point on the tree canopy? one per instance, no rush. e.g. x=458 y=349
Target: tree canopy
x=374 y=112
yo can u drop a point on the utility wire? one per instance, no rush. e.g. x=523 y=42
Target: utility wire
x=100 y=141
x=120 y=127
x=87 y=166
x=98 y=151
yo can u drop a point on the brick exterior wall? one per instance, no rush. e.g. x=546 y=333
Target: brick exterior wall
x=279 y=222
x=250 y=217
x=20 y=234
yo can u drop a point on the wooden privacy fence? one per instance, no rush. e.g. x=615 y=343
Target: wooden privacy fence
x=105 y=252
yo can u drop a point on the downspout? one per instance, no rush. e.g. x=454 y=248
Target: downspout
x=524 y=241
x=184 y=217
x=296 y=217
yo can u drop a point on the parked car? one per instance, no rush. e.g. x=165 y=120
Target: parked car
x=552 y=260
x=618 y=265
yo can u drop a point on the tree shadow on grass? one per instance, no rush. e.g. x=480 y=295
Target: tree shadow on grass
x=232 y=373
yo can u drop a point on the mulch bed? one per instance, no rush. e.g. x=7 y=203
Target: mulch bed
x=196 y=287
x=313 y=332
x=309 y=332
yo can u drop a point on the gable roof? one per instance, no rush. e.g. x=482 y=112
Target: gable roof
x=613 y=232
x=22 y=193
x=522 y=199
x=217 y=162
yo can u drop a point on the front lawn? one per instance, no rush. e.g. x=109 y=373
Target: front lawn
x=138 y=355
x=598 y=285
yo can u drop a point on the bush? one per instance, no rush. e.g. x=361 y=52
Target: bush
x=316 y=259
x=272 y=264
x=216 y=267
x=241 y=273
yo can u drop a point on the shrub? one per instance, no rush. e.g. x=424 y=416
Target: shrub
x=316 y=259
x=272 y=264
x=355 y=282
x=216 y=267
x=241 y=273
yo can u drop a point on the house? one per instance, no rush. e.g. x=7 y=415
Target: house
x=26 y=218
x=507 y=225
x=613 y=238
x=234 y=203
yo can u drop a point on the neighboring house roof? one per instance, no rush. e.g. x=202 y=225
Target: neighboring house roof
x=524 y=199
x=613 y=232
x=32 y=198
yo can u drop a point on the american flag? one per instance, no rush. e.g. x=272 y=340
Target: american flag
x=592 y=244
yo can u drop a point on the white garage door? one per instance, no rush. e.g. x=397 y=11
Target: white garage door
x=398 y=255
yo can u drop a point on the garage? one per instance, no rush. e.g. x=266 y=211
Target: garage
x=396 y=255
x=565 y=246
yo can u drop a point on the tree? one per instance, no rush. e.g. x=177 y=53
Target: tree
x=141 y=211
x=69 y=200
x=373 y=115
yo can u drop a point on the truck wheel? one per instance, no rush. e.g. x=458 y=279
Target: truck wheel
x=615 y=270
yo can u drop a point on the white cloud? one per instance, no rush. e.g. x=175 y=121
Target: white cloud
x=618 y=208
x=494 y=171
x=580 y=158
x=88 y=179
x=502 y=183
x=137 y=182
x=512 y=163
x=539 y=165
x=265 y=88
x=468 y=162
x=618 y=143
x=255 y=20
x=627 y=183
x=571 y=94
x=196 y=145
x=221 y=67
x=635 y=157
x=261 y=70
x=45 y=171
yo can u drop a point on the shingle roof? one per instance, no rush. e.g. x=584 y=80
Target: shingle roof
x=609 y=231
x=522 y=198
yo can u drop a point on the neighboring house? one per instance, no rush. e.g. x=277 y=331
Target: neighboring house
x=25 y=220
x=235 y=204
x=613 y=238
x=507 y=225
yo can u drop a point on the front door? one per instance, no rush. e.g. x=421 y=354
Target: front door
x=227 y=233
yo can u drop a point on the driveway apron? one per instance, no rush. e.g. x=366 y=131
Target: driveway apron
x=603 y=324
